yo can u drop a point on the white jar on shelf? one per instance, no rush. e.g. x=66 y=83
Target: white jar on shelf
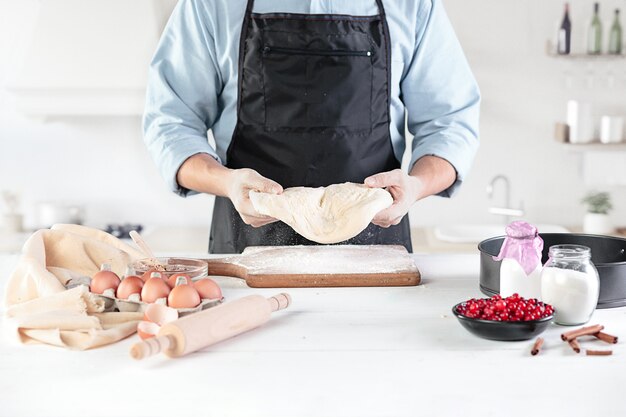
x=580 y=122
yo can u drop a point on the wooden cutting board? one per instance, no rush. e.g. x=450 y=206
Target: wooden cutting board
x=320 y=266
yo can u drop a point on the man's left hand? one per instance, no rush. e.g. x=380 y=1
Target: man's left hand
x=405 y=190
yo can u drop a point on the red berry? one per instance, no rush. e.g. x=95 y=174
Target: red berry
x=512 y=308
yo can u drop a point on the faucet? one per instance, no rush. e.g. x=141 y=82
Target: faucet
x=507 y=211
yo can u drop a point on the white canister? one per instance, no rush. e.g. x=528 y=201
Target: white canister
x=12 y=223
x=54 y=213
x=570 y=283
x=580 y=122
x=611 y=129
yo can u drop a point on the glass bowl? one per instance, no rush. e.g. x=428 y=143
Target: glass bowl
x=195 y=268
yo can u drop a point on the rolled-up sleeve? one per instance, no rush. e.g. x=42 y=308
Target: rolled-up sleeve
x=441 y=95
x=182 y=92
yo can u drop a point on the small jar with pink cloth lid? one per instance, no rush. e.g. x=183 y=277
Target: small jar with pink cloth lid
x=520 y=270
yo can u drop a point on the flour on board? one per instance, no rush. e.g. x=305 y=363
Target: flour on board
x=334 y=259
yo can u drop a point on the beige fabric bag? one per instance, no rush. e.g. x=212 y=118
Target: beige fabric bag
x=39 y=308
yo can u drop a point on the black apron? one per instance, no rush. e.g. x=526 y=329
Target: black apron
x=312 y=110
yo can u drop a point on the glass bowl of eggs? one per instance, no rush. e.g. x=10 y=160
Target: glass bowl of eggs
x=168 y=267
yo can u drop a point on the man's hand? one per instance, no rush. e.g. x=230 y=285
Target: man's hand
x=244 y=180
x=404 y=189
x=430 y=175
x=204 y=174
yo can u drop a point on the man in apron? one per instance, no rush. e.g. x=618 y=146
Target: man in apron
x=310 y=96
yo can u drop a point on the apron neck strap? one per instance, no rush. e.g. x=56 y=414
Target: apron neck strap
x=381 y=9
x=379 y=4
x=249 y=7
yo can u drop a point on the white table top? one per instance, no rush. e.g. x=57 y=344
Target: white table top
x=335 y=352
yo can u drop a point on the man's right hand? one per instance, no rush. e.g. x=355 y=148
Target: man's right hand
x=242 y=181
x=204 y=174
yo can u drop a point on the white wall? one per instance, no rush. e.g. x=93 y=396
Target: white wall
x=524 y=93
x=101 y=162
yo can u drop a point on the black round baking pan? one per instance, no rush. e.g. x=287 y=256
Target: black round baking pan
x=607 y=253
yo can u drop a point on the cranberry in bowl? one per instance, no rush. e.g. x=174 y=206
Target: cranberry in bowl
x=509 y=319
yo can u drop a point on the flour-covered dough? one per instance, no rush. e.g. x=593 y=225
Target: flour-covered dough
x=326 y=214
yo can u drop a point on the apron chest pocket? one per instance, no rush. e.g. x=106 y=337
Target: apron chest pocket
x=313 y=88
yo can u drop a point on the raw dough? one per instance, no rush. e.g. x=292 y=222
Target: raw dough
x=326 y=214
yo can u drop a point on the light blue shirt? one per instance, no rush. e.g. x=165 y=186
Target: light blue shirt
x=192 y=82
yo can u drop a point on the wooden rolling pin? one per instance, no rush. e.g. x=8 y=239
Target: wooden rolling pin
x=207 y=327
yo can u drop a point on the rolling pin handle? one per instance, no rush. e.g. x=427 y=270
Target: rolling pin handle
x=151 y=347
x=279 y=301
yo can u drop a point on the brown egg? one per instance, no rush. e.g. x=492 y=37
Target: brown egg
x=154 y=288
x=103 y=280
x=207 y=288
x=146 y=275
x=129 y=285
x=183 y=295
x=171 y=280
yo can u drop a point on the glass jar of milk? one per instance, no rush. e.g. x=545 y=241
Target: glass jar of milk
x=520 y=270
x=570 y=283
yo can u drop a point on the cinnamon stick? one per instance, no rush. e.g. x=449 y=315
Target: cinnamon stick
x=574 y=344
x=599 y=352
x=605 y=337
x=590 y=330
x=537 y=346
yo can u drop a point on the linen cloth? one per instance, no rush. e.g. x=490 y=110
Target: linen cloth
x=38 y=308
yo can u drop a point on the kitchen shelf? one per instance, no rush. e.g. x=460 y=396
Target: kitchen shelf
x=587 y=57
x=595 y=147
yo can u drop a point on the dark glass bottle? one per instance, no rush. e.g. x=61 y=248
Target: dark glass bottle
x=565 y=34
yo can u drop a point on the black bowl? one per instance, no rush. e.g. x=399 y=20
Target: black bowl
x=608 y=254
x=502 y=330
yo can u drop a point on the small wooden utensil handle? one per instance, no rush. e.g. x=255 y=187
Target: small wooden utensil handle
x=139 y=241
x=226 y=267
x=279 y=301
x=152 y=346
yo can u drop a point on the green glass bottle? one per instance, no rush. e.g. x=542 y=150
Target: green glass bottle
x=615 y=36
x=594 y=36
